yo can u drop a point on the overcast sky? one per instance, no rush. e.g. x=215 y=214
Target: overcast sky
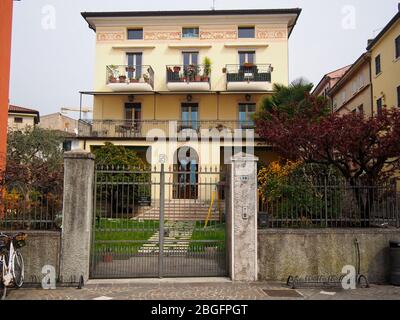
x=52 y=60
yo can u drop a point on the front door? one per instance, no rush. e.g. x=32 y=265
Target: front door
x=186 y=176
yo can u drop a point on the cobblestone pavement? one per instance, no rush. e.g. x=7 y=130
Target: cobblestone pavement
x=224 y=290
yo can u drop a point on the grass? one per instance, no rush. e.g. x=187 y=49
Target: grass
x=125 y=236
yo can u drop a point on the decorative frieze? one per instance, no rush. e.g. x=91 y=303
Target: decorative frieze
x=218 y=35
x=267 y=33
x=104 y=36
x=162 y=35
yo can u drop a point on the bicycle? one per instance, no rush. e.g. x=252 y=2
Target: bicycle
x=11 y=262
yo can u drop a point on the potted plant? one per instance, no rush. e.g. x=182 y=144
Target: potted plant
x=130 y=69
x=107 y=256
x=248 y=65
x=207 y=68
x=122 y=79
x=177 y=69
x=114 y=73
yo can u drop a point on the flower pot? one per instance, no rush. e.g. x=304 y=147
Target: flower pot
x=197 y=78
x=107 y=257
x=112 y=80
x=122 y=79
x=205 y=78
x=177 y=69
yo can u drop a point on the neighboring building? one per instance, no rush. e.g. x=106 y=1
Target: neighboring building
x=60 y=122
x=353 y=92
x=385 y=65
x=151 y=68
x=20 y=118
x=328 y=81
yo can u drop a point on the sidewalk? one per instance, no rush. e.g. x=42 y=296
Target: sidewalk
x=199 y=289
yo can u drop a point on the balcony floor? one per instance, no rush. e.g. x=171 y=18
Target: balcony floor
x=126 y=87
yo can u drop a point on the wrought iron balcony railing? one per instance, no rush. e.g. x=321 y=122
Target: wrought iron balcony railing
x=188 y=73
x=170 y=128
x=248 y=72
x=124 y=74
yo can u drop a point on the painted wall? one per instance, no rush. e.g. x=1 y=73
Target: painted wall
x=163 y=46
x=356 y=91
x=385 y=84
x=27 y=121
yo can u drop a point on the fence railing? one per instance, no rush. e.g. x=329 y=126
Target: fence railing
x=248 y=72
x=330 y=205
x=130 y=74
x=188 y=73
x=170 y=128
x=30 y=211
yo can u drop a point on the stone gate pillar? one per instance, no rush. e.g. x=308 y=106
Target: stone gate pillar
x=242 y=217
x=77 y=215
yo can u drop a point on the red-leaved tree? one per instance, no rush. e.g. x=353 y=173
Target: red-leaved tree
x=364 y=149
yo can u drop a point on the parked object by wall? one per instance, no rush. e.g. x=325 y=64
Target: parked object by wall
x=302 y=252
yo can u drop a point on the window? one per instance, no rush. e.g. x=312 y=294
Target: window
x=190 y=58
x=189 y=115
x=135 y=34
x=135 y=63
x=246 y=32
x=247 y=57
x=246 y=114
x=397 y=44
x=67 y=145
x=379 y=106
x=190 y=32
x=133 y=111
x=398 y=96
x=343 y=97
x=18 y=120
x=378 y=67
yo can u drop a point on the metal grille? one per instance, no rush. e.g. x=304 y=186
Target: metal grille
x=159 y=223
x=330 y=204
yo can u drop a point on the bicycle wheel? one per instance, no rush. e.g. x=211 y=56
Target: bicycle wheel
x=3 y=289
x=18 y=269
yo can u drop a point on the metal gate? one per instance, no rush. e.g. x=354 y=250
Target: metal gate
x=159 y=223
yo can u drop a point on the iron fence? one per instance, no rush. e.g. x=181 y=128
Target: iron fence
x=330 y=204
x=248 y=72
x=30 y=210
x=156 y=222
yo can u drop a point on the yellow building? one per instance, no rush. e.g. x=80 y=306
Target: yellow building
x=353 y=92
x=156 y=92
x=385 y=66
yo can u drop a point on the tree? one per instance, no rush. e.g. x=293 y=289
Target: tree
x=34 y=161
x=364 y=149
x=290 y=100
x=125 y=169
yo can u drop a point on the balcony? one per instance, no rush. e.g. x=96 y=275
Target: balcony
x=170 y=128
x=130 y=78
x=248 y=77
x=188 y=78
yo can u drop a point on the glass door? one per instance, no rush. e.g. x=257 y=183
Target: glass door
x=190 y=116
x=135 y=65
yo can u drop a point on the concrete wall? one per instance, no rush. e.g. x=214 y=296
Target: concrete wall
x=42 y=248
x=323 y=252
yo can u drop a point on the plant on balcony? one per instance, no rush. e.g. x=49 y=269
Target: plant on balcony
x=177 y=69
x=249 y=65
x=122 y=79
x=130 y=69
x=114 y=73
x=207 y=69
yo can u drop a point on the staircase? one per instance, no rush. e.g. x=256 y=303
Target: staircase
x=182 y=210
